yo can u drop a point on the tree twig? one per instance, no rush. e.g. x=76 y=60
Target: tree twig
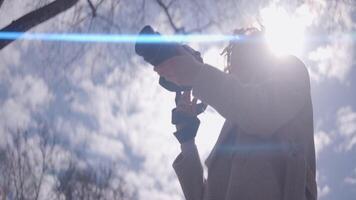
x=170 y=19
x=92 y=7
x=201 y=28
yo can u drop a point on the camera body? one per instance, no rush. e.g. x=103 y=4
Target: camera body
x=156 y=53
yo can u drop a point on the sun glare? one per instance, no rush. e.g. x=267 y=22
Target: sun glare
x=284 y=32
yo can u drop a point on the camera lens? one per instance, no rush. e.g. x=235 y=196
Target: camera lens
x=155 y=52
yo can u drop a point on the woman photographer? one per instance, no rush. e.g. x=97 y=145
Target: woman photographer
x=265 y=149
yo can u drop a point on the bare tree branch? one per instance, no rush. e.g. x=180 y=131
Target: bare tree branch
x=36 y=17
x=201 y=28
x=92 y=7
x=170 y=19
x=181 y=29
x=170 y=3
x=1 y=1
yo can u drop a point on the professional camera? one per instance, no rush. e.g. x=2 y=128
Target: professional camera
x=156 y=53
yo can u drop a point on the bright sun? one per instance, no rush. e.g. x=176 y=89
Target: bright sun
x=284 y=32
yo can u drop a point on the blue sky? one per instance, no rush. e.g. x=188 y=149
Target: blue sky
x=106 y=105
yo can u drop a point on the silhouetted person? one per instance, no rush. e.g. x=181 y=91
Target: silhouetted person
x=265 y=150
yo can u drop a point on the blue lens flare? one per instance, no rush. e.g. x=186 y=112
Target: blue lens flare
x=116 y=38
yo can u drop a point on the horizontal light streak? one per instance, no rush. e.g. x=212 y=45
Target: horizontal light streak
x=117 y=38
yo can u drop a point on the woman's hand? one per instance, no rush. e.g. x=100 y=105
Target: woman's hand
x=184 y=116
x=187 y=108
x=181 y=69
x=185 y=104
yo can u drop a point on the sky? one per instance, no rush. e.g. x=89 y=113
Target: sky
x=106 y=106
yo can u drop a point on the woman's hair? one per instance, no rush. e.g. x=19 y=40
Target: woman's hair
x=249 y=37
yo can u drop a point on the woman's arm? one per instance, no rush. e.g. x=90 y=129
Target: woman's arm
x=257 y=109
x=189 y=171
x=187 y=165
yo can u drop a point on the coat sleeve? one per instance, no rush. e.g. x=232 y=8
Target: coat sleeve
x=258 y=109
x=189 y=171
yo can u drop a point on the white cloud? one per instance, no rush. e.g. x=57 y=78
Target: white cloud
x=13 y=115
x=26 y=95
x=92 y=144
x=106 y=146
x=351 y=179
x=133 y=117
x=322 y=140
x=100 y=102
x=30 y=91
x=323 y=191
x=333 y=59
x=346 y=123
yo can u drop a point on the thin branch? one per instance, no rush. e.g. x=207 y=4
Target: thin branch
x=181 y=29
x=1 y=1
x=170 y=19
x=170 y=3
x=201 y=28
x=110 y=22
x=36 y=17
x=92 y=7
